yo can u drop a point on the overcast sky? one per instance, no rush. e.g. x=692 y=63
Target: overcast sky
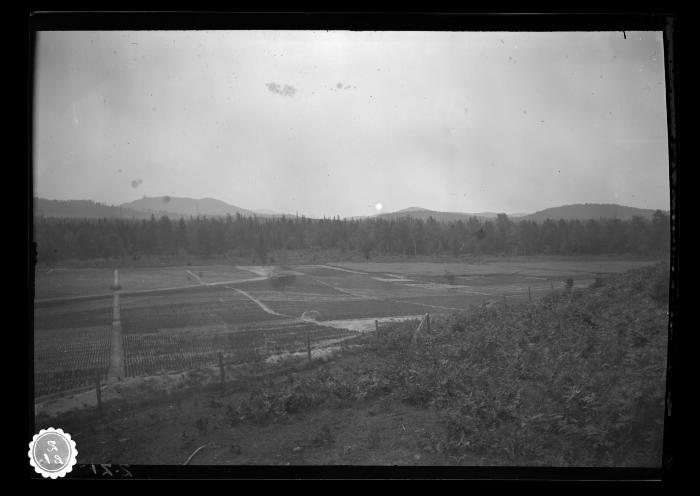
x=335 y=123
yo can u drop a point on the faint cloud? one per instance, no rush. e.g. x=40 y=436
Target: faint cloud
x=136 y=183
x=285 y=90
x=342 y=86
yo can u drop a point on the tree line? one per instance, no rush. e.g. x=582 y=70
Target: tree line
x=257 y=237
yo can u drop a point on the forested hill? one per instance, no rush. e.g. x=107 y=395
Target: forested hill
x=581 y=212
x=83 y=209
x=172 y=205
x=588 y=211
x=257 y=237
x=176 y=207
x=424 y=213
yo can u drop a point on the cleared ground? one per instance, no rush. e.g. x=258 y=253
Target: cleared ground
x=556 y=268
x=64 y=282
x=176 y=318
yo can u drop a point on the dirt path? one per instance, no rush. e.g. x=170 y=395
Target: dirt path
x=366 y=324
x=116 y=355
x=261 y=270
x=328 y=266
x=342 y=290
x=264 y=307
x=197 y=278
x=428 y=305
x=95 y=296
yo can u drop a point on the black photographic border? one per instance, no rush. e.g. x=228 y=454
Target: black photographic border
x=41 y=20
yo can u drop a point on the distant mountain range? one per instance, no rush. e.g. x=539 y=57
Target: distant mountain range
x=587 y=211
x=424 y=213
x=186 y=207
x=143 y=208
x=189 y=207
x=579 y=211
x=83 y=209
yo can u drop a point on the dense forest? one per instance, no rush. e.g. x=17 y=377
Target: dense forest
x=256 y=237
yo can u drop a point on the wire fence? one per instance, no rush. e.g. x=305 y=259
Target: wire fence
x=84 y=361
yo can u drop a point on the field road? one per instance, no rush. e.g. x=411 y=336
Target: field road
x=264 y=307
x=135 y=292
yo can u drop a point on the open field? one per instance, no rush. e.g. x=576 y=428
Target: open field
x=63 y=282
x=555 y=268
x=175 y=318
x=570 y=379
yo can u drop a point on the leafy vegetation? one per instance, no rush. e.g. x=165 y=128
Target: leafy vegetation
x=576 y=378
x=70 y=359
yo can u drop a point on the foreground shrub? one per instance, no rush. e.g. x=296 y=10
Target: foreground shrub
x=301 y=394
x=568 y=380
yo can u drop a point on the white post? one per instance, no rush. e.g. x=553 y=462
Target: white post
x=116 y=354
x=115 y=309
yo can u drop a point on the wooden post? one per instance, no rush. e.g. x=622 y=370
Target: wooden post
x=308 y=346
x=376 y=327
x=504 y=302
x=552 y=284
x=221 y=371
x=418 y=329
x=427 y=322
x=98 y=392
x=529 y=293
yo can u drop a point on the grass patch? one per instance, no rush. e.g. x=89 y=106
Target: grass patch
x=576 y=378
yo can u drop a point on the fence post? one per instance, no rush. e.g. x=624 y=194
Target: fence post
x=552 y=284
x=529 y=293
x=221 y=371
x=504 y=302
x=376 y=327
x=415 y=333
x=98 y=392
x=308 y=346
x=427 y=322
